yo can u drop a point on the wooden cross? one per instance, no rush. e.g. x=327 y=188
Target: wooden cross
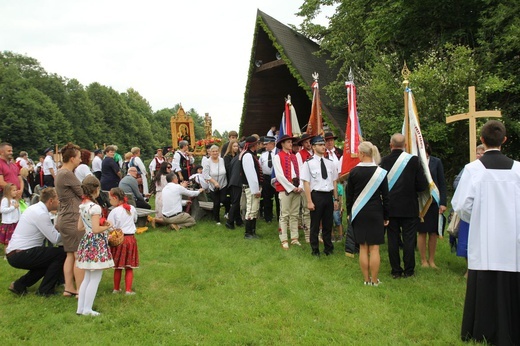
x=472 y=115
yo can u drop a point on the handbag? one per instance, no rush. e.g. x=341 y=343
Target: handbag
x=115 y=237
x=453 y=227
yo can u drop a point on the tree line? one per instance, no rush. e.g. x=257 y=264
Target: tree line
x=447 y=45
x=41 y=109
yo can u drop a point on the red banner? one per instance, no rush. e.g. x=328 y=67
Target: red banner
x=315 y=125
x=352 y=132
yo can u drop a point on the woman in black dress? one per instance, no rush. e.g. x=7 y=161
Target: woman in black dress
x=370 y=209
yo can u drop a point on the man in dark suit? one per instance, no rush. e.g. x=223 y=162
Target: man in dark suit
x=405 y=179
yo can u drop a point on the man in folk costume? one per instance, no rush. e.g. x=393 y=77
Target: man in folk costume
x=319 y=177
x=487 y=198
x=334 y=153
x=268 y=191
x=182 y=161
x=155 y=164
x=303 y=155
x=405 y=179
x=252 y=180
x=289 y=189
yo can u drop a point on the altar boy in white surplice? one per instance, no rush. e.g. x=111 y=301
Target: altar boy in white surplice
x=488 y=197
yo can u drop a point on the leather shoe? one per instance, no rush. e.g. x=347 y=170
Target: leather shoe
x=248 y=236
x=229 y=226
x=396 y=276
x=15 y=291
x=409 y=275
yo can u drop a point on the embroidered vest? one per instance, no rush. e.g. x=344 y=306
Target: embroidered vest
x=258 y=169
x=305 y=155
x=286 y=160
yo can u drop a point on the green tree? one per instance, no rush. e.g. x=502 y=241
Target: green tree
x=31 y=121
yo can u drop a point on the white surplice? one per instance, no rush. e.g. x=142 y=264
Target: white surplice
x=489 y=199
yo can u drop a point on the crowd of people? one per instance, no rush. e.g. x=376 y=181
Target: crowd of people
x=291 y=180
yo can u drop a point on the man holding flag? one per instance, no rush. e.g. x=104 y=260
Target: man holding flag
x=405 y=180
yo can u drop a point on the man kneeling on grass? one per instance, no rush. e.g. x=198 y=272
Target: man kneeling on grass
x=26 y=250
x=172 y=202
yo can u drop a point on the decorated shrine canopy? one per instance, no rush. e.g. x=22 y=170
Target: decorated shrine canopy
x=182 y=128
x=282 y=62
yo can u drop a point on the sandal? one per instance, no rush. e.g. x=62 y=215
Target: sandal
x=69 y=294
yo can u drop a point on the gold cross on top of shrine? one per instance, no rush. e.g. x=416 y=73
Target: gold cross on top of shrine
x=472 y=115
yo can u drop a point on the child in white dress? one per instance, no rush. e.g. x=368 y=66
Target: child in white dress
x=93 y=251
x=10 y=209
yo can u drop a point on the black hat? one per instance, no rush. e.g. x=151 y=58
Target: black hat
x=269 y=139
x=317 y=140
x=98 y=151
x=251 y=140
x=47 y=150
x=304 y=137
x=330 y=135
x=283 y=139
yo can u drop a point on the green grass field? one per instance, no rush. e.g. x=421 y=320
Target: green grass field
x=207 y=285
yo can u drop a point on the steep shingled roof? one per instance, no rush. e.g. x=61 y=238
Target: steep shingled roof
x=282 y=62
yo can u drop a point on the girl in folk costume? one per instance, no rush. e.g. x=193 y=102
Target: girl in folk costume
x=10 y=209
x=124 y=217
x=289 y=190
x=93 y=251
x=367 y=206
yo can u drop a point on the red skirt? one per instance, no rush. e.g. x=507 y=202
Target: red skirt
x=126 y=254
x=6 y=232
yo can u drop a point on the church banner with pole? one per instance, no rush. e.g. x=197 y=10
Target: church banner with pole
x=315 y=125
x=352 y=132
x=415 y=146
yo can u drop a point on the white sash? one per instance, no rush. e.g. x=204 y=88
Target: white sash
x=398 y=168
x=368 y=191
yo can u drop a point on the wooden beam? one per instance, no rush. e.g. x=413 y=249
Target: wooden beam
x=269 y=65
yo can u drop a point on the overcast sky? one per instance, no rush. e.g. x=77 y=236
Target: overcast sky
x=195 y=52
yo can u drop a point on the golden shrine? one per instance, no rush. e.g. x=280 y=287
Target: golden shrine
x=182 y=128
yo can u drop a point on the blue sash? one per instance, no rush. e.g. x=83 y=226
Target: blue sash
x=368 y=191
x=398 y=168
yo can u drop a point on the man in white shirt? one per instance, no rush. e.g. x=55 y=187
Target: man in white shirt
x=183 y=161
x=172 y=202
x=289 y=190
x=252 y=179
x=97 y=162
x=268 y=191
x=49 y=168
x=26 y=250
x=303 y=155
x=319 y=177
x=487 y=198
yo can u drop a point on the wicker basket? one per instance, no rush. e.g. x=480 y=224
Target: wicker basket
x=115 y=237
